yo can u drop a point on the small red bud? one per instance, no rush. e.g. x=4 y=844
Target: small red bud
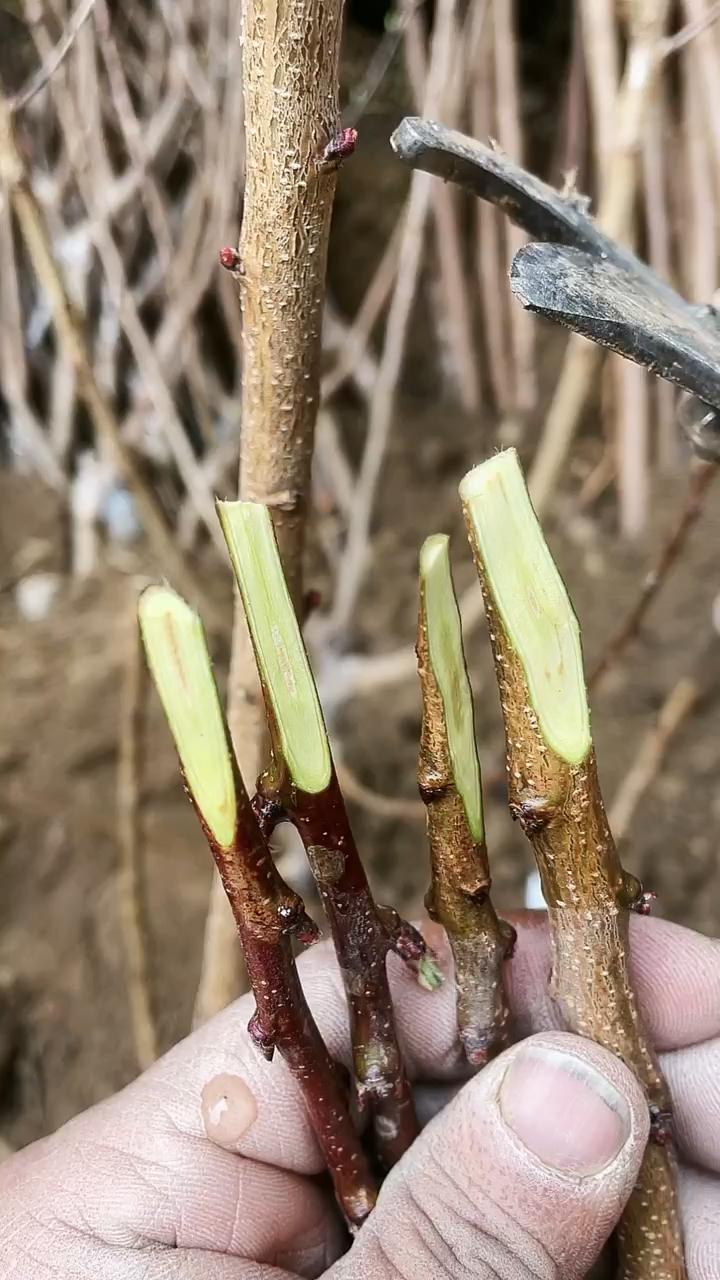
x=230 y=259
x=339 y=148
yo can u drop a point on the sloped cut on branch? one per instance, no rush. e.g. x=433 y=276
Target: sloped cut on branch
x=268 y=914
x=301 y=784
x=449 y=781
x=555 y=794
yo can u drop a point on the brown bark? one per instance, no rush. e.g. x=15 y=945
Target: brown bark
x=290 y=61
x=589 y=895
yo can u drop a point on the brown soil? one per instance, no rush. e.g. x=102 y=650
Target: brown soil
x=64 y=1039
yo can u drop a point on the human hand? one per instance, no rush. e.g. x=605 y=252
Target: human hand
x=206 y=1168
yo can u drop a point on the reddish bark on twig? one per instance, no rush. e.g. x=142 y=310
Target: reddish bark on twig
x=363 y=934
x=268 y=914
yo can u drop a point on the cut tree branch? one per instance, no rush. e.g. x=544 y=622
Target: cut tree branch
x=268 y=914
x=290 y=85
x=449 y=781
x=555 y=794
x=301 y=784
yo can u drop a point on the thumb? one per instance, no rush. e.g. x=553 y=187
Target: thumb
x=524 y=1174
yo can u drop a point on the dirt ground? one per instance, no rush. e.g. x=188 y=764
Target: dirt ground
x=64 y=1031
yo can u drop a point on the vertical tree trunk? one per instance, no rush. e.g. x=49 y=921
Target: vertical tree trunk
x=290 y=69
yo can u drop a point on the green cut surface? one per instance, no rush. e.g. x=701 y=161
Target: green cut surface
x=531 y=600
x=279 y=648
x=447 y=660
x=180 y=666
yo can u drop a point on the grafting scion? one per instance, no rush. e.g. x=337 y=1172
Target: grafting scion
x=267 y=912
x=555 y=794
x=449 y=781
x=302 y=781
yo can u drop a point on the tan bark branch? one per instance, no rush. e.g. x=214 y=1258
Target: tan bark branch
x=705 y=18
x=656 y=170
x=632 y=424
x=290 y=80
x=509 y=132
x=555 y=794
x=492 y=279
x=700 y=241
x=454 y=316
x=459 y=894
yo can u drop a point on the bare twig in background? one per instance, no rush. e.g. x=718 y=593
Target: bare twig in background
x=133 y=704
x=633 y=445
x=644 y=769
x=491 y=275
x=223 y=975
x=354 y=559
x=582 y=359
x=656 y=172
x=362 y=93
x=602 y=61
x=391 y=807
x=330 y=461
x=336 y=337
x=509 y=132
x=27 y=436
x=700 y=480
x=697 y=24
x=149 y=100
x=453 y=314
x=700 y=242
x=631 y=429
x=54 y=59
x=36 y=237
x=597 y=481
x=571 y=147
x=354 y=344
x=703 y=55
